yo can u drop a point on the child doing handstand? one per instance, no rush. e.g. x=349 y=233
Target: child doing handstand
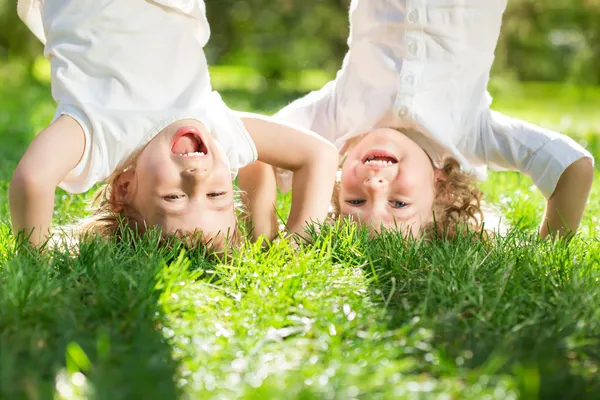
x=136 y=109
x=411 y=117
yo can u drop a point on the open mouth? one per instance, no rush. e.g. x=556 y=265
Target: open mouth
x=379 y=158
x=188 y=143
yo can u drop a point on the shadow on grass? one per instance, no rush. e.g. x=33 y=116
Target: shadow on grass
x=90 y=324
x=528 y=308
x=513 y=309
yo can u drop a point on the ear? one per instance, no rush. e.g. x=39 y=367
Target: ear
x=439 y=174
x=123 y=188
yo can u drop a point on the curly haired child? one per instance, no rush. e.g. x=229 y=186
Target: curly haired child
x=411 y=117
x=136 y=109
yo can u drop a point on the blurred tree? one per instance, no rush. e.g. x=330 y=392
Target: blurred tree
x=279 y=37
x=551 y=40
x=15 y=38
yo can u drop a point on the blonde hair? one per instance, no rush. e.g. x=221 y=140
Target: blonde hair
x=114 y=220
x=456 y=206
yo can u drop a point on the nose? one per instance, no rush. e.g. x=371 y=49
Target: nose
x=376 y=183
x=196 y=173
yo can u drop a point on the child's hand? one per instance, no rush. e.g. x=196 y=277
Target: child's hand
x=565 y=207
x=47 y=161
x=312 y=159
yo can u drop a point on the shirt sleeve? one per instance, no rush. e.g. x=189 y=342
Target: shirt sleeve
x=195 y=8
x=506 y=143
x=231 y=134
x=87 y=172
x=316 y=112
x=30 y=12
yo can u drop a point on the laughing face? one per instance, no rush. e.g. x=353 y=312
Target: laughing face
x=182 y=183
x=388 y=181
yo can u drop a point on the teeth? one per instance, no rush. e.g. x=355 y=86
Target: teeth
x=378 y=162
x=197 y=153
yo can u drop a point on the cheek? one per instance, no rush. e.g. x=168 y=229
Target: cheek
x=148 y=160
x=420 y=168
x=220 y=174
x=426 y=197
x=155 y=171
x=223 y=178
x=348 y=178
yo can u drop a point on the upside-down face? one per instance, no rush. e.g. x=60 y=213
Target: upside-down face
x=181 y=182
x=388 y=181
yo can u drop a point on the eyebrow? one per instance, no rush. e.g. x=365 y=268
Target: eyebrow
x=224 y=207
x=359 y=211
x=162 y=211
x=165 y=212
x=404 y=218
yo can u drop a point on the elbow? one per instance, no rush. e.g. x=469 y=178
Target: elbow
x=26 y=182
x=322 y=157
x=584 y=168
x=327 y=161
x=329 y=156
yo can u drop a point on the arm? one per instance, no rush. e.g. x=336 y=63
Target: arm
x=313 y=160
x=257 y=181
x=47 y=161
x=560 y=167
x=565 y=207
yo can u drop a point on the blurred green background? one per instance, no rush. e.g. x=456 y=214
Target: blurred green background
x=543 y=40
x=264 y=53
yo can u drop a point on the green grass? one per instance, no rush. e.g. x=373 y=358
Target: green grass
x=344 y=316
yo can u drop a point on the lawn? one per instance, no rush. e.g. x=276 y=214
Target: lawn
x=344 y=316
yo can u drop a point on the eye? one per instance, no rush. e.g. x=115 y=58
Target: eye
x=397 y=204
x=356 y=202
x=216 y=194
x=172 y=197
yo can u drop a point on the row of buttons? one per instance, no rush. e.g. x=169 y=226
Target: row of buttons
x=413 y=16
x=407 y=77
x=413 y=48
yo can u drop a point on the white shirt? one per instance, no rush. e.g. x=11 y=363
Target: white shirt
x=423 y=66
x=125 y=70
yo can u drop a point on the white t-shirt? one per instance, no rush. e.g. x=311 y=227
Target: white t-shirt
x=423 y=66
x=125 y=70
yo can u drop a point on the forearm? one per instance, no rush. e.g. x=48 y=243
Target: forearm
x=565 y=207
x=31 y=210
x=259 y=187
x=47 y=161
x=312 y=188
x=311 y=158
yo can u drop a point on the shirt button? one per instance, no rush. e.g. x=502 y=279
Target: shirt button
x=412 y=48
x=413 y=16
x=409 y=79
x=403 y=112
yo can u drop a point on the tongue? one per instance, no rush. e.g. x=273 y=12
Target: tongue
x=383 y=158
x=185 y=144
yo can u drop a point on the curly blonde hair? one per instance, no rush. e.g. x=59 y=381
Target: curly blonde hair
x=456 y=206
x=113 y=219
